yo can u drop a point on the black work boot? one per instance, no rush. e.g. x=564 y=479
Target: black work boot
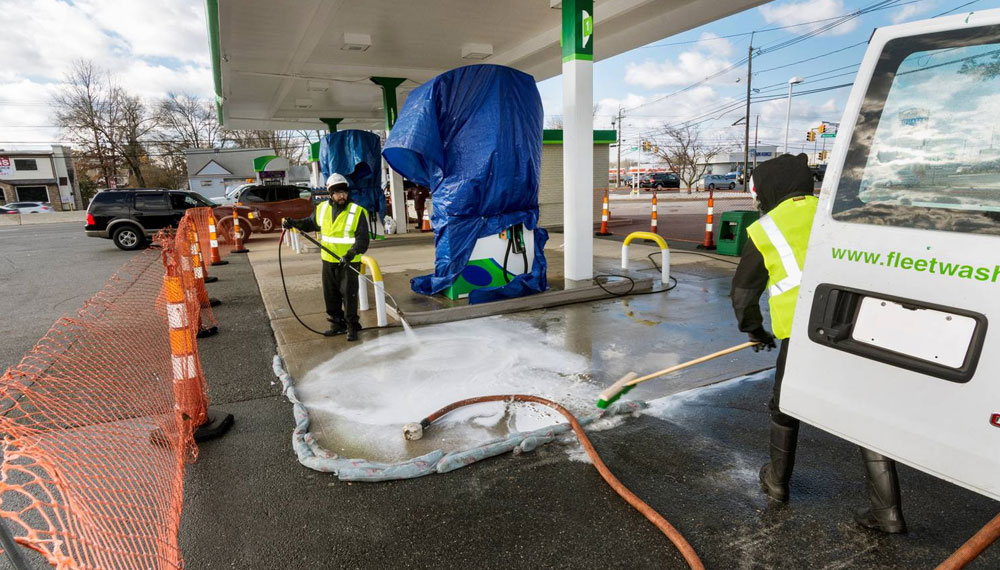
x=885 y=513
x=775 y=475
x=352 y=333
x=336 y=327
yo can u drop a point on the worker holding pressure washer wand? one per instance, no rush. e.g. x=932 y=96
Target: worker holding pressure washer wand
x=773 y=259
x=344 y=232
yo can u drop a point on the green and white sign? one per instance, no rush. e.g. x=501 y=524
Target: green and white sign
x=578 y=30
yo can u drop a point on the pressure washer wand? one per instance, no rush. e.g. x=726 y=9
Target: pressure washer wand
x=630 y=380
x=395 y=305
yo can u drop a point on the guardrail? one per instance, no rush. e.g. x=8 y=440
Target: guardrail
x=369 y=263
x=664 y=252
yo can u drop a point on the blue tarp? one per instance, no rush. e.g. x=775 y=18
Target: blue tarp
x=473 y=136
x=356 y=155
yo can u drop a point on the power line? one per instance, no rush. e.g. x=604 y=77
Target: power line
x=774 y=28
x=883 y=4
x=955 y=8
x=814 y=57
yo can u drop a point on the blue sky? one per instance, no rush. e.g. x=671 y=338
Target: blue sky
x=640 y=79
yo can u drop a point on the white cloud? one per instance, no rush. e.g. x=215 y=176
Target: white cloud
x=153 y=48
x=716 y=45
x=175 y=28
x=26 y=118
x=791 y=13
x=704 y=61
x=911 y=11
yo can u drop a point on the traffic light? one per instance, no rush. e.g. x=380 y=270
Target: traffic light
x=646 y=146
x=656 y=149
x=822 y=128
x=823 y=154
x=810 y=136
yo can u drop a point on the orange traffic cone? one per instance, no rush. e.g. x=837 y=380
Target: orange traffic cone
x=605 y=216
x=213 y=242
x=652 y=214
x=425 y=224
x=237 y=235
x=201 y=256
x=709 y=241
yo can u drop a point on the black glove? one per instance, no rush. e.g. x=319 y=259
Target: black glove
x=346 y=259
x=764 y=339
x=287 y=223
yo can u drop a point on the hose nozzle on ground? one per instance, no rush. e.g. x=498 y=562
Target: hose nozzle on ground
x=413 y=431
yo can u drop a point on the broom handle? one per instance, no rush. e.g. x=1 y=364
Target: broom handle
x=694 y=362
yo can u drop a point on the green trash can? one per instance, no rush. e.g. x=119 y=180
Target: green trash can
x=733 y=231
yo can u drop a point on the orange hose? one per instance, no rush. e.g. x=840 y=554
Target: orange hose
x=690 y=556
x=974 y=546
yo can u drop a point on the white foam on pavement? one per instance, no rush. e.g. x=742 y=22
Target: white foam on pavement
x=360 y=399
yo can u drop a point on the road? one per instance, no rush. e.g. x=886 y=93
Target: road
x=681 y=220
x=47 y=271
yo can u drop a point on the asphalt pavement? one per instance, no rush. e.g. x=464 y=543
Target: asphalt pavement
x=249 y=504
x=46 y=272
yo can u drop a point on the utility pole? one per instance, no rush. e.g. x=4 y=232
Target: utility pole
x=746 y=131
x=618 y=171
x=756 y=143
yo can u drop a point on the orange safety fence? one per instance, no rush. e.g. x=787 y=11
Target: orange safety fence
x=187 y=252
x=98 y=420
x=207 y=223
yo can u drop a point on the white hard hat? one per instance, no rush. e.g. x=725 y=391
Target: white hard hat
x=336 y=180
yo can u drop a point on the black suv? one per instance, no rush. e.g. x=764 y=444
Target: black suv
x=130 y=215
x=660 y=180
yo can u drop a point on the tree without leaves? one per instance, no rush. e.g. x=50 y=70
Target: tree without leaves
x=185 y=121
x=135 y=123
x=685 y=153
x=87 y=112
x=103 y=120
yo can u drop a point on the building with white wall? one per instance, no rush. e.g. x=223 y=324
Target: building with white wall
x=40 y=176
x=212 y=170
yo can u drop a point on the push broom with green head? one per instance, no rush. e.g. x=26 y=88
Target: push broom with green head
x=631 y=380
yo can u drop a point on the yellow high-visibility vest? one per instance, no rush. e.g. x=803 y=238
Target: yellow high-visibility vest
x=338 y=234
x=782 y=236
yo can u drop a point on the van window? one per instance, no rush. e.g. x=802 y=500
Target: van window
x=925 y=153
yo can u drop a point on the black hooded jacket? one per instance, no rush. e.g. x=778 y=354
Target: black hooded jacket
x=775 y=181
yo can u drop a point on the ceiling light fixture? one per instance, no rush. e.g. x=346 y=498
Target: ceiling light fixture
x=477 y=51
x=356 y=42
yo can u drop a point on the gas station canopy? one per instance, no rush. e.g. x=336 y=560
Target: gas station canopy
x=286 y=65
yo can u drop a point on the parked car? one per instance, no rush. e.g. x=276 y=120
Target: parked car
x=716 y=182
x=5 y=210
x=819 y=171
x=130 y=216
x=30 y=207
x=276 y=202
x=660 y=180
x=229 y=198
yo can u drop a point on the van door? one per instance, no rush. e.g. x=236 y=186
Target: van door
x=895 y=341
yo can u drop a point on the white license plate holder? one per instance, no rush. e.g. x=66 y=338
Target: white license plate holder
x=927 y=334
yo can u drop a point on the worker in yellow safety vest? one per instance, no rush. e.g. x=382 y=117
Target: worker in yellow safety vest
x=773 y=259
x=343 y=226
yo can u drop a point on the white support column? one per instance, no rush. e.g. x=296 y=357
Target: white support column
x=398 y=200
x=578 y=139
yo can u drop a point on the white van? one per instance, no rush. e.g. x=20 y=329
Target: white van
x=892 y=344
